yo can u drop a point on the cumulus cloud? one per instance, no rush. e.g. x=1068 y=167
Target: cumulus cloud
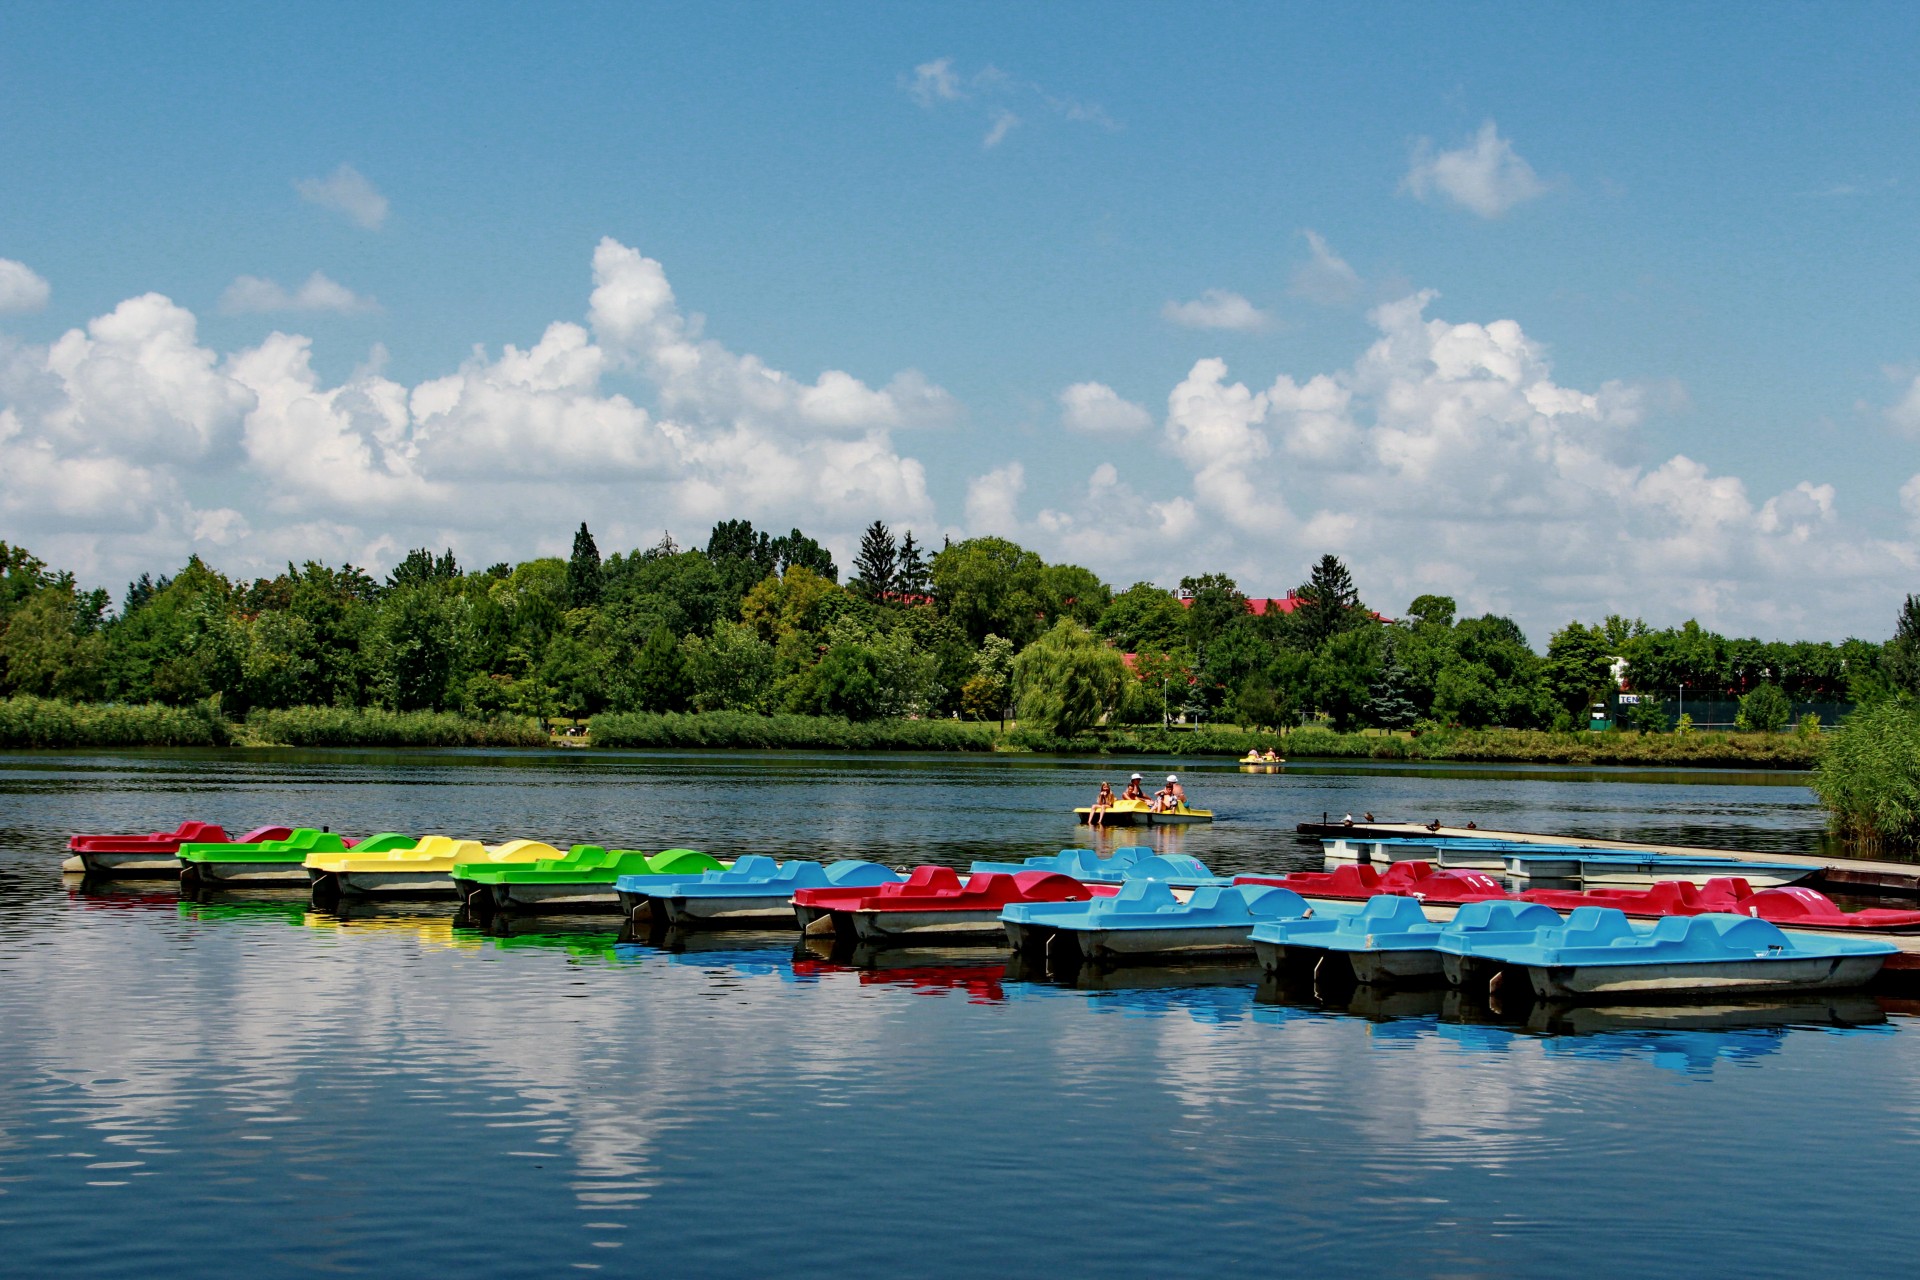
x=1486 y=175
x=1325 y=277
x=256 y=294
x=346 y=191
x=1447 y=456
x=111 y=428
x=21 y=287
x=1097 y=409
x=1216 y=309
x=1904 y=413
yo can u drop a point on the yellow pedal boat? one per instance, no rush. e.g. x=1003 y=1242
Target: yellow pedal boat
x=1141 y=813
x=423 y=871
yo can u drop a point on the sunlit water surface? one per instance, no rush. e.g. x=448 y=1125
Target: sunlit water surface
x=192 y=1087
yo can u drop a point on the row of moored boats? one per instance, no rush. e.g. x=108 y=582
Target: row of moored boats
x=1664 y=926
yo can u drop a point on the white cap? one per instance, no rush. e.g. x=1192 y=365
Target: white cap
x=1134 y=778
x=1171 y=778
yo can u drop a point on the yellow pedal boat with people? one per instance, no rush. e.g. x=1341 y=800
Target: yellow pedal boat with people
x=1142 y=813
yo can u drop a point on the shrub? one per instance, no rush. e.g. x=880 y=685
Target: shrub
x=48 y=722
x=739 y=729
x=354 y=727
x=1868 y=777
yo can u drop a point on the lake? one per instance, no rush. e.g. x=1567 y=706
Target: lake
x=189 y=1087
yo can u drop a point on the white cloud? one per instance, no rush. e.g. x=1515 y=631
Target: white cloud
x=1325 y=277
x=105 y=433
x=935 y=82
x=1097 y=409
x=993 y=501
x=1904 y=413
x=1486 y=175
x=1216 y=309
x=319 y=293
x=21 y=287
x=345 y=191
x=1000 y=101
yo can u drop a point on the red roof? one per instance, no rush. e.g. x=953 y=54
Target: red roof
x=1285 y=604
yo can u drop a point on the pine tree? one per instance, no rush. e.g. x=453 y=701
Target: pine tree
x=1328 y=601
x=583 y=570
x=910 y=579
x=877 y=560
x=1900 y=658
x=1388 y=706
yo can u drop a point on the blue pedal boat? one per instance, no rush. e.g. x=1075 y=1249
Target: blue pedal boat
x=758 y=892
x=1389 y=939
x=1598 y=953
x=1146 y=921
x=1081 y=864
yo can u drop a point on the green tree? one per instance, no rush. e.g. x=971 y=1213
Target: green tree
x=990 y=688
x=1765 y=710
x=910 y=577
x=798 y=551
x=420 y=630
x=420 y=568
x=1900 y=656
x=1213 y=603
x=1388 y=703
x=731 y=670
x=1073 y=592
x=583 y=571
x=1579 y=668
x=1143 y=617
x=45 y=648
x=1329 y=603
x=990 y=586
x=1343 y=673
x=1435 y=611
x=876 y=563
x=659 y=676
x=1067 y=680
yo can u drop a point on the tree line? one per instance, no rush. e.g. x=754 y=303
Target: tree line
x=982 y=629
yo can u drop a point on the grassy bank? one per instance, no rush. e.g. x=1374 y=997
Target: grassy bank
x=350 y=727
x=1704 y=750
x=741 y=729
x=47 y=722
x=1869 y=780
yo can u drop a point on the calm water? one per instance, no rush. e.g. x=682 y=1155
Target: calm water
x=187 y=1087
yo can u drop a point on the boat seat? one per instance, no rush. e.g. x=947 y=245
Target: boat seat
x=1143 y=896
x=1744 y=933
x=1597 y=927
x=1270 y=901
x=1390 y=913
x=1172 y=866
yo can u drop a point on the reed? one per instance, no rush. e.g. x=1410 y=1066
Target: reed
x=745 y=730
x=50 y=723
x=1869 y=779
x=368 y=727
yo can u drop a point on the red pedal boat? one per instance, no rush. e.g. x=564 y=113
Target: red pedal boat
x=947 y=911
x=1412 y=879
x=155 y=854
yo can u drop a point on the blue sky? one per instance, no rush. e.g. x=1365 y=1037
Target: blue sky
x=1698 y=234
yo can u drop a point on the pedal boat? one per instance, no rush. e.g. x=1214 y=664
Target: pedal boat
x=585 y=879
x=826 y=912
x=1388 y=941
x=1357 y=882
x=271 y=862
x=152 y=856
x=1084 y=865
x=421 y=871
x=1182 y=875
x=1599 y=954
x=1141 y=813
x=1146 y=923
x=953 y=912
x=755 y=893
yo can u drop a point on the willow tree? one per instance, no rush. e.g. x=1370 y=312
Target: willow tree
x=1066 y=680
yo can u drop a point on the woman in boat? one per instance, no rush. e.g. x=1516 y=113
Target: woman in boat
x=1272 y=757
x=1134 y=790
x=1101 y=803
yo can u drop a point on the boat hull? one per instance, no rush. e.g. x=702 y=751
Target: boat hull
x=745 y=911
x=568 y=898
x=146 y=865
x=1137 y=946
x=890 y=928
x=214 y=875
x=1757 y=976
x=419 y=886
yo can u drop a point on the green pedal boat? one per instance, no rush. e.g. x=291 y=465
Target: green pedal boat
x=581 y=880
x=271 y=862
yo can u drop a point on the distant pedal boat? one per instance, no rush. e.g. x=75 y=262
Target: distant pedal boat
x=1146 y=923
x=585 y=879
x=756 y=892
x=420 y=871
x=1141 y=813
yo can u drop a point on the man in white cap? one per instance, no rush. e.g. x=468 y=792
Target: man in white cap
x=1134 y=790
x=1171 y=796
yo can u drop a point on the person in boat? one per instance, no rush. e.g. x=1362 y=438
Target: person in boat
x=1101 y=803
x=1134 y=790
x=1272 y=756
x=1170 y=797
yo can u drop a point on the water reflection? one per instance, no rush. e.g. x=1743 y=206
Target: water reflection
x=244 y=1080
